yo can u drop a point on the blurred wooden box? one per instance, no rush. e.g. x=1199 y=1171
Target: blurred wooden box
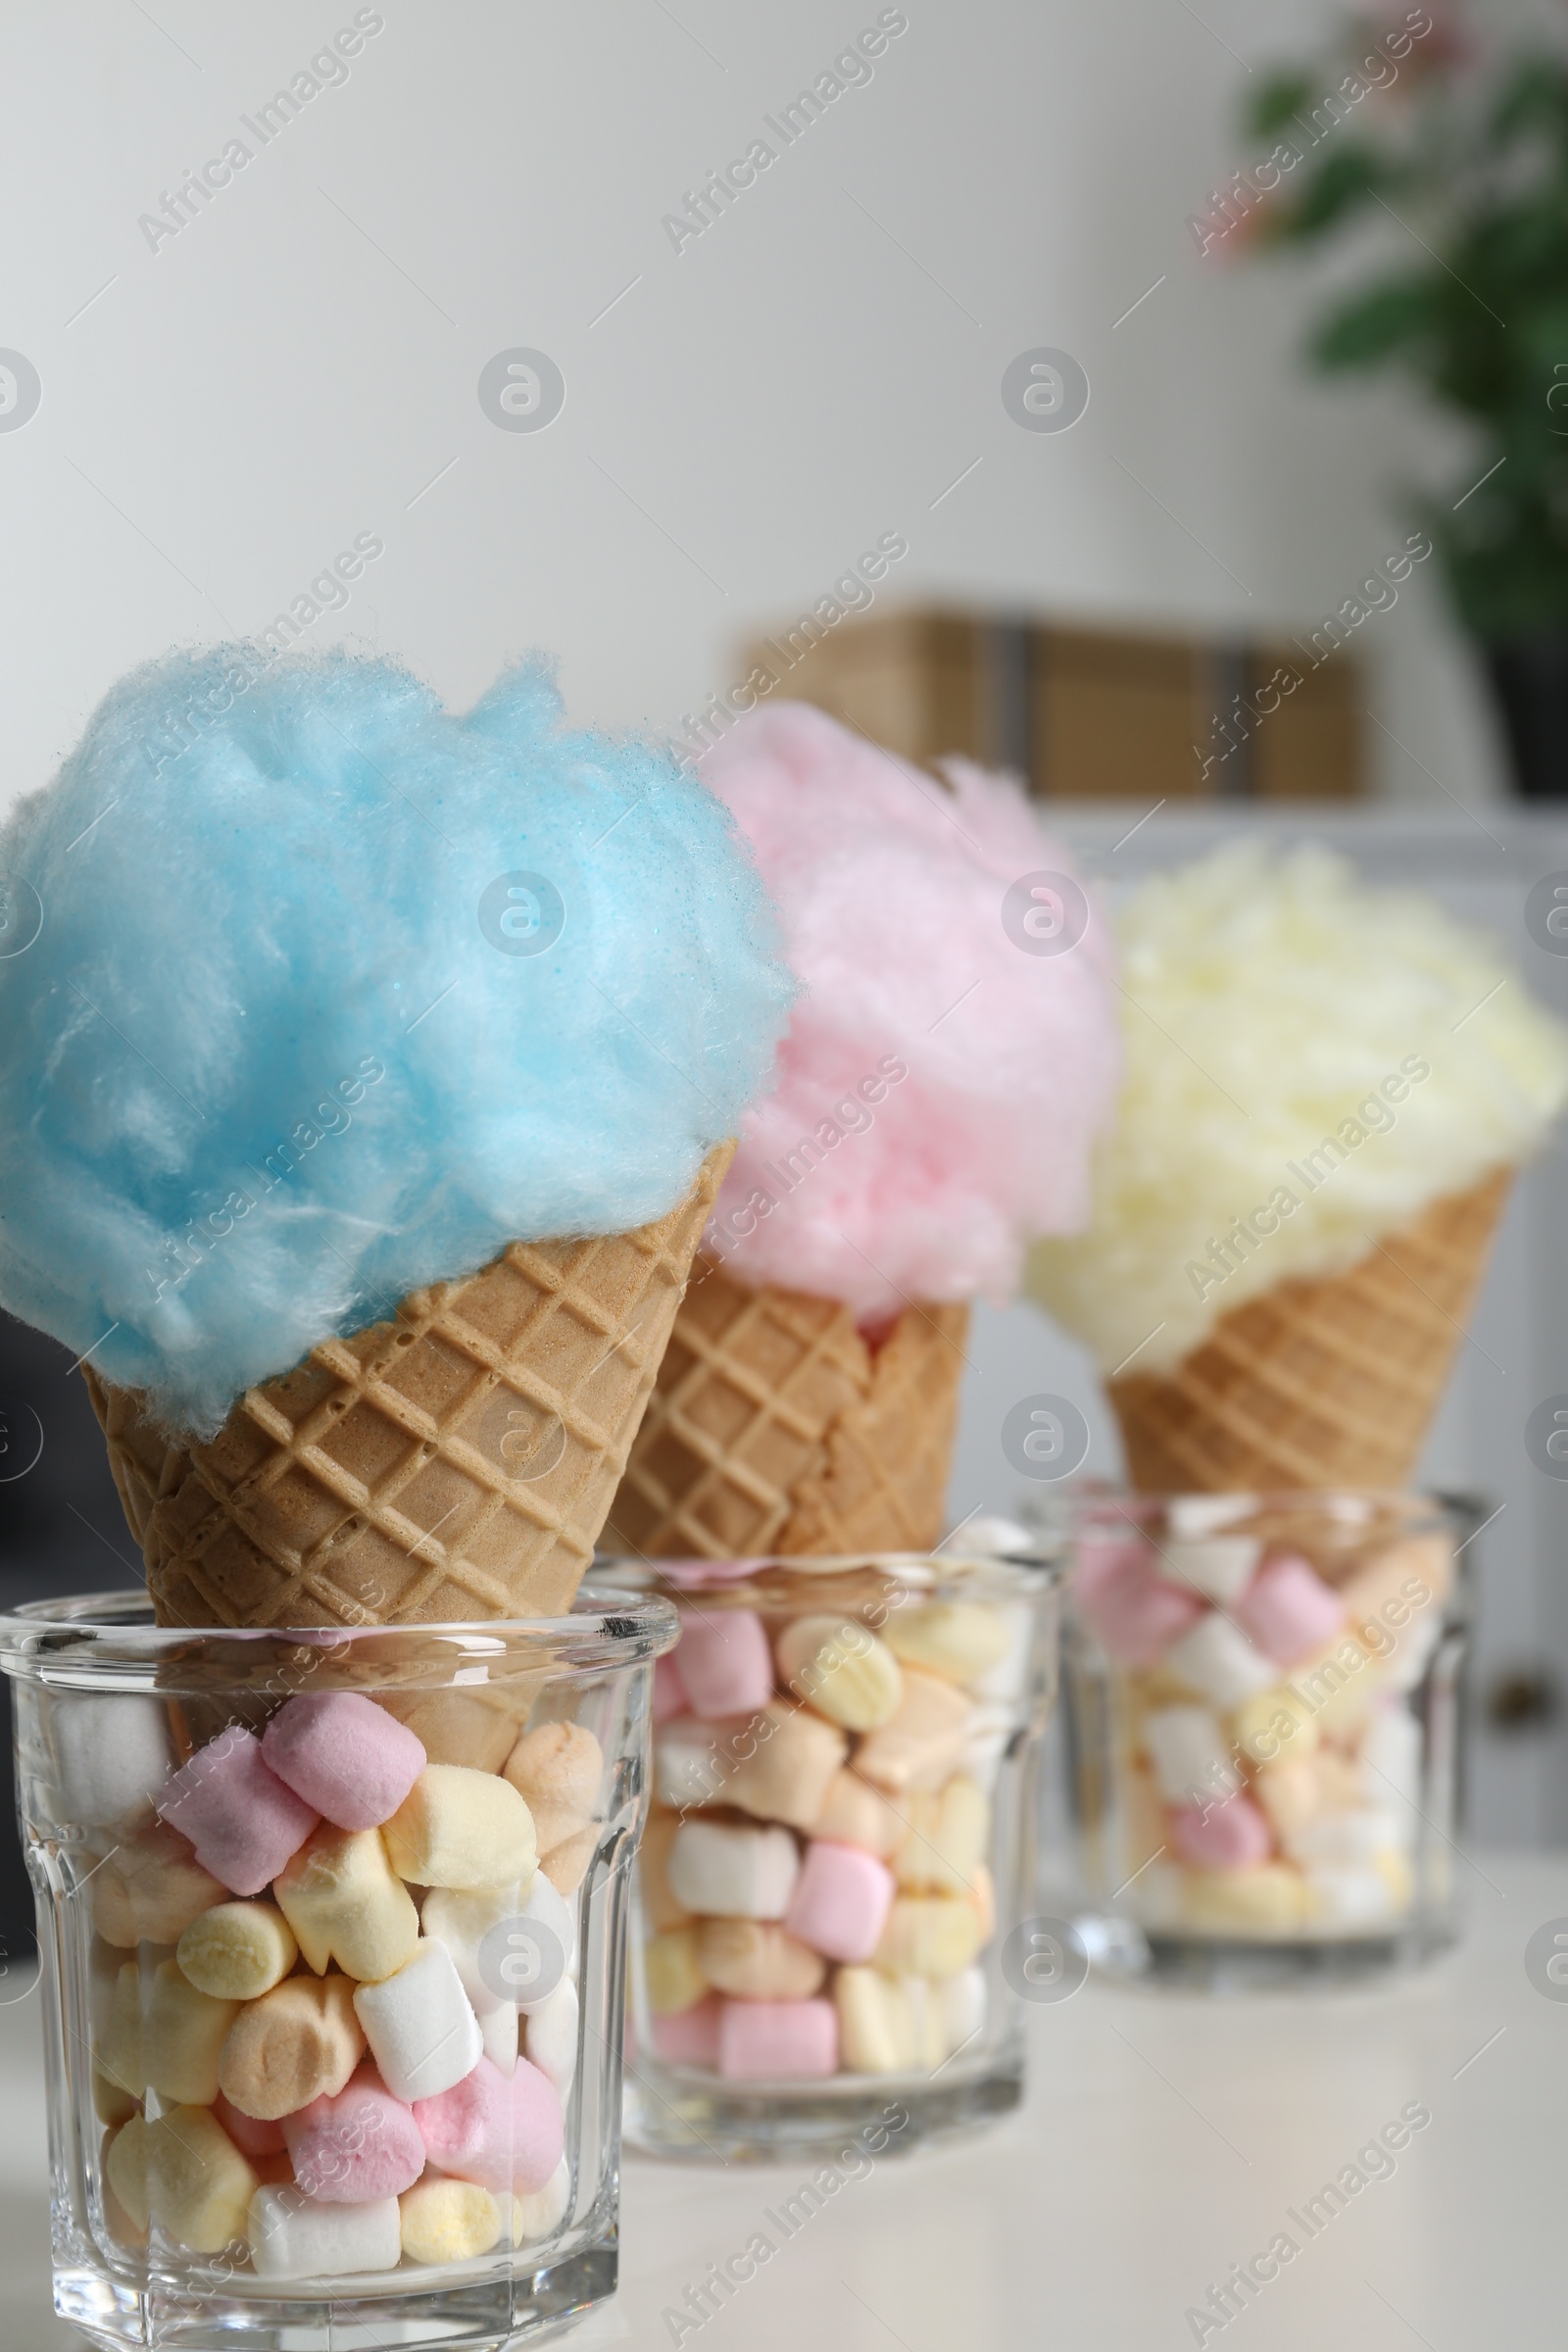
x=1084 y=714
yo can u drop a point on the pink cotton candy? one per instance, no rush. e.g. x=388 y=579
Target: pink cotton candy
x=940 y=1086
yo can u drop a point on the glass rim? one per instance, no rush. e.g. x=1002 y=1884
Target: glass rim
x=86 y=1637
x=1021 y=1570
x=1132 y=1504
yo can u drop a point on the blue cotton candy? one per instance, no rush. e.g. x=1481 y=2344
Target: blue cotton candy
x=293 y=1039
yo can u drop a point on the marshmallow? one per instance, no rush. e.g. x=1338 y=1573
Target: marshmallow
x=551 y=2036
x=1190 y=1753
x=1135 y=1611
x=292 y=2237
x=1221 y=1567
x=355 y=2148
x=673 y=1972
x=930 y=1935
x=1232 y=1834
x=151 y=1889
x=840 y=1902
x=922 y=1998
x=501 y=2031
x=506 y=2137
x=535 y=2217
x=1392 y=1583
x=692 y=2037
x=961 y=2004
x=981 y=1896
x=546 y=1904
x=1345 y=1837
x=1391 y=1756
x=788 y=2039
x=421 y=2030
x=992 y=1537
x=876 y=2025
x=692 y=1763
x=961 y=1640
x=723 y=1659
x=301 y=2042
x=347 y=1758
x=237 y=1951
x=1288 y=1793
x=112 y=2103
x=113 y=1755
x=458 y=1828
x=1273 y=1724
x=119 y=2054
x=842 y=1670
x=448 y=2221
x=340 y=1897
x=557 y=1770
x=1288 y=1609
x=653 y=1872
x=1190 y=1517
x=756 y=1960
x=732 y=1873
x=669 y=1694
x=854 y=1813
x=1340 y=1684
x=182 y=2036
x=944 y=1836
x=992 y=1724
x=566 y=1865
x=125 y=2169
x=785 y=1765
x=1005 y=1681
x=462 y=1921
x=920 y=1744
x=1269 y=1900
x=199 y=2187
x=242 y=1821
x=1217 y=1661
x=250 y=2135
x=1348 y=1895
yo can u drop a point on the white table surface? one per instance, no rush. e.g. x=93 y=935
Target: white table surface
x=1164 y=2139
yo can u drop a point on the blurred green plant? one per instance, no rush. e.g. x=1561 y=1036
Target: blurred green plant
x=1462 y=155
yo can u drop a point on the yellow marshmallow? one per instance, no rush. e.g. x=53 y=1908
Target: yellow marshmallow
x=298 y=2042
x=958 y=1638
x=1274 y=1724
x=876 y=2030
x=930 y=1935
x=112 y=2103
x=448 y=2221
x=673 y=1972
x=1272 y=1899
x=182 y=2036
x=199 y=2187
x=125 y=2170
x=1288 y=1793
x=981 y=1896
x=118 y=2054
x=945 y=1838
x=340 y=1897
x=786 y=1758
x=920 y=1744
x=758 y=1960
x=854 y=1813
x=237 y=1951
x=840 y=1669
x=557 y=1770
x=150 y=1889
x=459 y=1827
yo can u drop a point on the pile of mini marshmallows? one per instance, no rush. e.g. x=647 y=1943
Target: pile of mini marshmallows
x=1270 y=1769
x=295 y=2067
x=814 y=1871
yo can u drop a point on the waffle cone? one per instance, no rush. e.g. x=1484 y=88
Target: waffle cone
x=455 y=1462
x=1319 y=1384
x=775 y=1427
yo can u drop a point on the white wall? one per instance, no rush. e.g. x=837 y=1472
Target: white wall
x=232 y=408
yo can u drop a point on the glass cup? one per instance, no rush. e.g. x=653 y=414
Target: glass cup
x=842 y=1842
x=1262 y=1726
x=349 y=2090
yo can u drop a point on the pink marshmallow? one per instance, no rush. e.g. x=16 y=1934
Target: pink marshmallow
x=692 y=2037
x=354 y=2148
x=1230 y=1836
x=669 y=1699
x=1287 y=1608
x=841 y=1900
x=504 y=2134
x=238 y=1815
x=1136 y=1615
x=250 y=2134
x=345 y=1756
x=725 y=1662
x=762 y=2038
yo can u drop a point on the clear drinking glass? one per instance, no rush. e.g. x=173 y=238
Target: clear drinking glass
x=1262 y=1706
x=844 y=1837
x=207 y=2241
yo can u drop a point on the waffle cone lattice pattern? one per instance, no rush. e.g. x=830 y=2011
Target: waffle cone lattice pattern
x=1319 y=1384
x=455 y=1462
x=775 y=1428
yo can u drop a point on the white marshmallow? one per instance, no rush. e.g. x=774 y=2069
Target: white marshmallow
x=690 y=1767
x=961 y=2005
x=1191 y=1754
x=732 y=1873
x=550 y=1908
x=990 y=1537
x=499 y=2030
x=1215 y=1660
x=422 y=2029
x=1339 y=1839
x=1414 y=1644
x=296 y=2236
x=551 y=2036
x=111 y=1756
x=1221 y=1567
x=1189 y=1516
x=1006 y=1679
x=1347 y=1897
x=460 y=1919
x=1390 y=1755
x=533 y=2218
